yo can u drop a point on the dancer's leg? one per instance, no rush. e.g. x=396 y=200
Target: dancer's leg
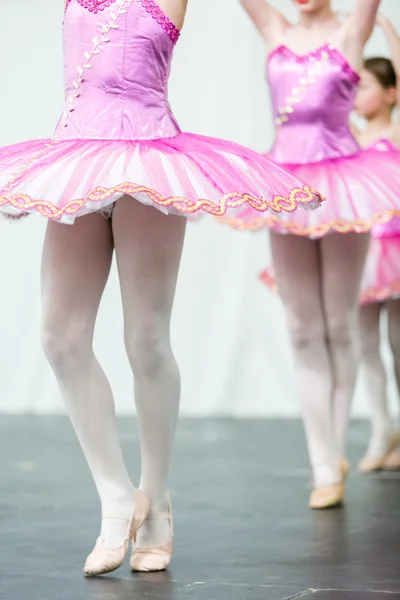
x=393 y=307
x=298 y=274
x=374 y=379
x=75 y=268
x=148 y=247
x=343 y=259
x=393 y=461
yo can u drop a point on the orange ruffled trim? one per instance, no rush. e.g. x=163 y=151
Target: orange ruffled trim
x=370 y=296
x=303 y=196
x=318 y=230
x=380 y=294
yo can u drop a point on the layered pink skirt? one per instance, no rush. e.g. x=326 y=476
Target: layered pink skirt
x=183 y=175
x=381 y=280
x=360 y=190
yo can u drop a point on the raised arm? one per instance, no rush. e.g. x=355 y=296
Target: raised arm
x=361 y=22
x=268 y=20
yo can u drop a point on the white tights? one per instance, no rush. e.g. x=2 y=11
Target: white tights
x=319 y=283
x=75 y=268
x=374 y=374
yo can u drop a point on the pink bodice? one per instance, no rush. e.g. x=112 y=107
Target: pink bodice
x=312 y=97
x=117 y=62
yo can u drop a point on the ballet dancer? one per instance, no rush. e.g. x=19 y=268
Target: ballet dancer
x=376 y=100
x=116 y=156
x=313 y=74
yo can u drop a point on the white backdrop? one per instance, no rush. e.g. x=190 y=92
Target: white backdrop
x=228 y=331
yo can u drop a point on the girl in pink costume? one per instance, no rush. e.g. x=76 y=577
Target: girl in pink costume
x=312 y=70
x=376 y=100
x=118 y=152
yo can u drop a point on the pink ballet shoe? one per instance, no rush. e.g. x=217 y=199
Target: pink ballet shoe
x=327 y=496
x=392 y=462
x=344 y=467
x=104 y=560
x=369 y=464
x=333 y=494
x=155 y=558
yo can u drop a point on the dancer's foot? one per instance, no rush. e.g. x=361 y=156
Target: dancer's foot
x=378 y=453
x=344 y=467
x=153 y=548
x=392 y=461
x=116 y=532
x=329 y=486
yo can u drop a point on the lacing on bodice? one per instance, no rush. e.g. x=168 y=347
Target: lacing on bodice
x=312 y=97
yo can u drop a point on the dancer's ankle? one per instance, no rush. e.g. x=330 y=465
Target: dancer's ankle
x=326 y=474
x=117 y=502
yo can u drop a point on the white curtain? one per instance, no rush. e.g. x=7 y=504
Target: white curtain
x=228 y=331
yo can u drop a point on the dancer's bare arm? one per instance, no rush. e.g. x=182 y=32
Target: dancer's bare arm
x=393 y=40
x=361 y=21
x=268 y=20
x=357 y=29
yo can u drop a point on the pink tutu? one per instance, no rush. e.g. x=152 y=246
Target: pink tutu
x=312 y=98
x=381 y=281
x=361 y=190
x=118 y=135
x=185 y=174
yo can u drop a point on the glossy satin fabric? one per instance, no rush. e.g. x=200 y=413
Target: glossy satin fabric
x=124 y=93
x=117 y=135
x=312 y=97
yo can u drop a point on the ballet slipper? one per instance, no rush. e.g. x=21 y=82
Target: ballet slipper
x=104 y=560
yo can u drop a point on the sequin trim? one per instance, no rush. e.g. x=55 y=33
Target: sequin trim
x=233 y=200
x=296 y=96
x=314 y=231
x=326 y=49
x=150 y=6
x=297 y=93
x=96 y=6
x=380 y=294
x=158 y=15
x=93 y=6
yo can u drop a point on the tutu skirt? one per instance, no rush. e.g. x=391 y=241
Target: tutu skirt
x=381 y=280
x=361 y=190
x=184 y=175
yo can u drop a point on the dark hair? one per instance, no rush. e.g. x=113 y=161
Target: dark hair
x=382 y=69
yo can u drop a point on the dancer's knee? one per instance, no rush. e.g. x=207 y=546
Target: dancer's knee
x=342 y=328
x=306 y=336
x=65 y=342
x=148 y=347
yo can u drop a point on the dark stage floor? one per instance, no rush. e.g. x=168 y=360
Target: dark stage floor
x=243 y=529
